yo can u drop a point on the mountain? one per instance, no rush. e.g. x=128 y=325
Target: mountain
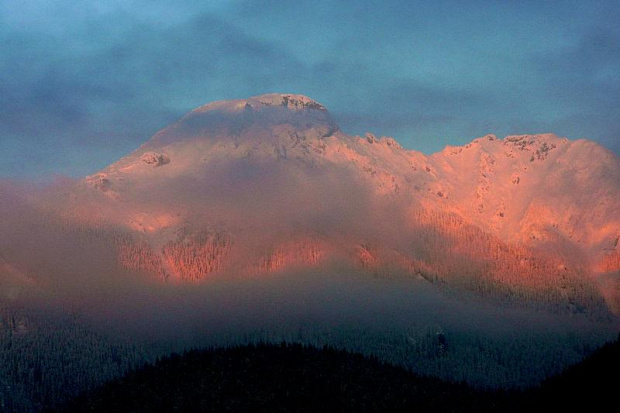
x=259 y=220
x=271 y=183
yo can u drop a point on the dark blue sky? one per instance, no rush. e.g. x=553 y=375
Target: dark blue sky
x=83 y=82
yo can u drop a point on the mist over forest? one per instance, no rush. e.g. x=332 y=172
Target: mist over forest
x=259 y=221
x=71 y=308
x=425 y=192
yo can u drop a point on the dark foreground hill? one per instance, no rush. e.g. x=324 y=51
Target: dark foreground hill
x=296 y=378
x=277 y=378
x=591 y=385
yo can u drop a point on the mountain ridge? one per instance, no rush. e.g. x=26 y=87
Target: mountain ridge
x=271 y=183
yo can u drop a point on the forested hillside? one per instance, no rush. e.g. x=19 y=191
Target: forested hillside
x=294 y=378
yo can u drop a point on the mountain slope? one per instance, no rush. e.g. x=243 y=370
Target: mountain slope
x=271 y=183
x=296 y=378
x=285 y=378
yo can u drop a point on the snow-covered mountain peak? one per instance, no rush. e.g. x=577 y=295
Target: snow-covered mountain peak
x=281 y=100
x=248 y=119
x=277 y=164
x=295 y=102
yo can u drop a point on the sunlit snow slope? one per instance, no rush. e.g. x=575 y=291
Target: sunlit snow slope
x=270 y=183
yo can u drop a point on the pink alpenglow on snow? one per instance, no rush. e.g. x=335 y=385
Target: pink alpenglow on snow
x=267 y=184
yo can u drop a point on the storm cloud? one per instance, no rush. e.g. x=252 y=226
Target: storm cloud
x=83 y=83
